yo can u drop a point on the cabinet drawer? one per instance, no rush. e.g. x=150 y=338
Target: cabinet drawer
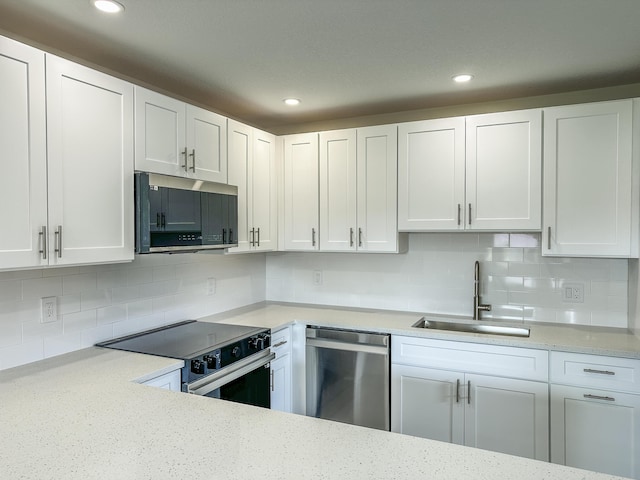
x=622 y=374
x=281 y=341
x=515 y=362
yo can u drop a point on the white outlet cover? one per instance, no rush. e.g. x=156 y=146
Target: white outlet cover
x=573 y=293
x=49 y=309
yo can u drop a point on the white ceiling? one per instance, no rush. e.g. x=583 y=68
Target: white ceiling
x=343 y=58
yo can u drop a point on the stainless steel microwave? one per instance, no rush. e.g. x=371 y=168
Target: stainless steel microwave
x=175 y=214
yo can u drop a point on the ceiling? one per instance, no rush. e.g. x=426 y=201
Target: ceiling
x=342 y=58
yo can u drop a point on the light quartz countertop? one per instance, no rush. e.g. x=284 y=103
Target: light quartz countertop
x=568 y=338
x=83 y=416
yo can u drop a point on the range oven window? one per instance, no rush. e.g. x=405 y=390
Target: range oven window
x=252 y=388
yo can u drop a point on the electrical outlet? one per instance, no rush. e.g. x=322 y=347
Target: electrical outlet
x=573 y=293
x=49 y=309
x=211 y=286
x=317 y=277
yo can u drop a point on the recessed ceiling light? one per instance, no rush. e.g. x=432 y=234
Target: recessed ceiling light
x=108 y=6
x=292 y=102
x=462 y=78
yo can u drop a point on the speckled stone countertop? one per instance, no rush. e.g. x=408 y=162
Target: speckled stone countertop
x=567 y=338
x=82 y=416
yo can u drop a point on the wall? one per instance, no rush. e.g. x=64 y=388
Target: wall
x=101 y=302
x=436 y=275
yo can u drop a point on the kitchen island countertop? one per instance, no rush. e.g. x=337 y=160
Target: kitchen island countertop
x=82 y=416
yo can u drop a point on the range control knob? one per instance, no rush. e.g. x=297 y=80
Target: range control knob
x=253 y=342
x=197 y=367
x=236 y=352
x=212 y=361
x=264 y=340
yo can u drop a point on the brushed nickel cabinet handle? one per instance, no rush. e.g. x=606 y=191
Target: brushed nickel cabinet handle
x=359 y=236
x=469 y=392
x=279 y=344
x=458 y=391
x=58 y=245
x=548 y=238
x=193 y=160
x=469 y=214
x=258 y=241
x=598 y=397
x=459 y=214
x=42 y=237
x=313 y=237
x=351 y=237
x=253 y=237
x=184 y=154
x=600 y=372
x=273 y=387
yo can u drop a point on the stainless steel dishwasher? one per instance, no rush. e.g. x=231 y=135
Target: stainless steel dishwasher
x=348 y=377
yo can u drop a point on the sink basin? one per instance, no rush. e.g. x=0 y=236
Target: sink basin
x=472 y=328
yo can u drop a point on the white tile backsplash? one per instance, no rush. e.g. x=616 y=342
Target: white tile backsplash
x=100 y=302
x=436 y=275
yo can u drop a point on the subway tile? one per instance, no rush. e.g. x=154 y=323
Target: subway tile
x=493 y=240
x=518 y=269
x=91 y=336
x=42 y=287
x=507 y=255
x=580 y=317
x=69 y=304
x=21 y=354
x=94 y=299
x=35 y=330
x=125 y=294
x=62 y=344
x=10 y=290
x=609 y=319
x=10 y=334
x=78 y=283
x=137 y=276
x=539 y=314
x=111 y=314
x=525 y=240
x=78 y=321
x=107 y=279
x=140 y=308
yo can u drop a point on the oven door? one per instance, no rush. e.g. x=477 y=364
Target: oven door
x=246 y=381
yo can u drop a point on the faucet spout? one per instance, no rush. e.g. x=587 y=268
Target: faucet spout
x=477 y=306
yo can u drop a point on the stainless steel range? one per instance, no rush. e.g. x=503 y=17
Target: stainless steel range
x=220 y=360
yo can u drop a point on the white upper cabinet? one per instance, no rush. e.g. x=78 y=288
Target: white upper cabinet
x=431 y=175
x=338 y=224
x=504 y=171
x=23 y=183
x=252 y=170
x=358 y=190
x=301 y=224
x=482 y=172
x=174 y=138
x=377 y=189
x=589 y=203
x=90 y=165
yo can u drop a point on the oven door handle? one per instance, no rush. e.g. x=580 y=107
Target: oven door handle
x=229 y=374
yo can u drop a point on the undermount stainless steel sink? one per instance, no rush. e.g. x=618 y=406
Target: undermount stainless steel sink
x=472 y=328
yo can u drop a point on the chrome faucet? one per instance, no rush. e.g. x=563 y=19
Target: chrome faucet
x=477 y=306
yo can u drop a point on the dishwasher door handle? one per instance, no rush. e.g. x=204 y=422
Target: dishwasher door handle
x=347 y=346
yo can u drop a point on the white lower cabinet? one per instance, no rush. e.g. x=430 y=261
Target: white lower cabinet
x=281 y=369
x=168 y=381
x=595 y=413
x=465 y=406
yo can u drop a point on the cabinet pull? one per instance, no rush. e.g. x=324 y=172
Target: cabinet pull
x=548 y=238
x=279 y=344
x=600 y=372
x=193 y=160
x=598 y=397
x=224 y=235
x=158 y=222
x=359 y=237
x=258 y=241
x=469 y=214
x=231 y=235
x=272 y=382
x=313 y=237
x=351 y=237
x=184 y=165
x=58 y=244
x=42 y=237
x=458 y=391
x=253 y=237
x=459 y=212
x=163 y=220
x=469 y=392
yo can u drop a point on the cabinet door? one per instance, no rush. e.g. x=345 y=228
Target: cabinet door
x=160 y=133
x=281 y=384
x=508 y=416
x=377 y=189
x=596 y=430
x=431 y=166
x=206 y=145
x=239 y=145
x=301 y=192
x=23 y=183
x=588 y=179
x=427 y=403
x=504 y=171
x=262 y=192
x=90 y=162
x=338 y=190
x=168 y=381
